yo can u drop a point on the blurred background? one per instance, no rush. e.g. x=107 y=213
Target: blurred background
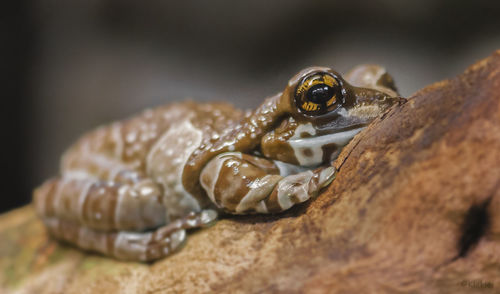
x=70 y=66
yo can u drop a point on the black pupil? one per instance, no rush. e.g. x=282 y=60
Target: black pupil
x=320 y=93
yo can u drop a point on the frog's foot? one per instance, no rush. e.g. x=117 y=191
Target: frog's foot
x=135 y=246
x=193 y=220
x=298 y=188
x=326 y=176
x=208 y=217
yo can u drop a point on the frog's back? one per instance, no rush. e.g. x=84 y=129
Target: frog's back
x=129 y=141
x=155 y=143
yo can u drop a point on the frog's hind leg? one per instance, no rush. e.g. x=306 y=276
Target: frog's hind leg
x=102 y=205
x=135 y=246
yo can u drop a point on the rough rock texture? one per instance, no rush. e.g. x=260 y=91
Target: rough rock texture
x=414 y=209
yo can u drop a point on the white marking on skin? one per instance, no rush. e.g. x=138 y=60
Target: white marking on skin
x=343 y=112
x=284 y=198
x=82 y=197
x=340 y=138
x=131 y=137
x=212 y=172
x=326 y=176
x=297 y=185
x=104 y=163
x=184 y=139
x=177 y=238
x=316 y=144
x=313 y=160
x=287 y=169
x=317 y=151
x=261 y=207
x=146 y=190
x=116 y=135
x=208 y=216
x=191 y=222
x=307 y=128
x=150 y=208
x=259 y=189
x=119 y=203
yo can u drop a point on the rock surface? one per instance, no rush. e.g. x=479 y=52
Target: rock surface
x=414 y=209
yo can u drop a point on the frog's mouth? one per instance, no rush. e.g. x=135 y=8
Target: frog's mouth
x=312 y=151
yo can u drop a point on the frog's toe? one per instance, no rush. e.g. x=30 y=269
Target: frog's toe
x=208 y=217
x=177 y=239
x=326 y=176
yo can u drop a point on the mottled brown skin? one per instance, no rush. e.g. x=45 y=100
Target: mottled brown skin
x=275 y=143
x=174 y=164
x=212 y=118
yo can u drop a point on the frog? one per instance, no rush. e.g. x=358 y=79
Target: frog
x=133 y=189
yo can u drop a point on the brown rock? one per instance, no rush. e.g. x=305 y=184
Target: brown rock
x=414 y=209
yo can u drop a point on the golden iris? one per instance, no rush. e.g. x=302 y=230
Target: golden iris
x=317 y=93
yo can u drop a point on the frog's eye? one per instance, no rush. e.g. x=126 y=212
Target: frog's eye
x=317 y=94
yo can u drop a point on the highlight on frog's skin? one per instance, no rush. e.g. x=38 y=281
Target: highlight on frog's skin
x=133 y=189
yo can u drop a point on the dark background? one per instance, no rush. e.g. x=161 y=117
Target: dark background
x=69 y=66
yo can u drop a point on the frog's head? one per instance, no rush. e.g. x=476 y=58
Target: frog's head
x=324 y=112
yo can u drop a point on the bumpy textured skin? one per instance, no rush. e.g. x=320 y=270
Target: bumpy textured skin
x=132 y=188
x=123 y=176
